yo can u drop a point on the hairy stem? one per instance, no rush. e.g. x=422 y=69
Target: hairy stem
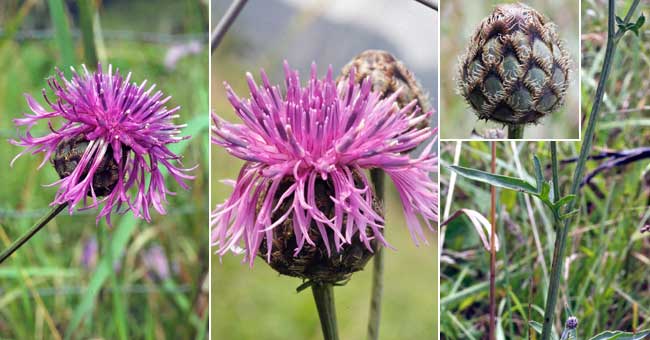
x=324 y=298
x=493 y=254
x=32 y=231
x=377 y=178
x=560 y=243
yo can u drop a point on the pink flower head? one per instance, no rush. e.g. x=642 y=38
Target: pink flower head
x=112 y=116
x=320 y=131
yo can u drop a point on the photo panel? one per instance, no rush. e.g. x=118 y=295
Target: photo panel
x=325 y=123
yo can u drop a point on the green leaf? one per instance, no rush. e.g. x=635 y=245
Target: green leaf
x=618 y=335
x=536 y=326
x=619 y=21
x=500 y=181
x=569 y=214
x=640 y=21
x=564 y=201
x=545 y=194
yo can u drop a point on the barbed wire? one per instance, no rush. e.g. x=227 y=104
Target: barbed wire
x=133 y=289
x=33 y=213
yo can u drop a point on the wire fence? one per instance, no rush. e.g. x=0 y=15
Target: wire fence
x=145 y=37
x=186 y=209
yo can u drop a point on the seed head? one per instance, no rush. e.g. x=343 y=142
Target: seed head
x=515 y=69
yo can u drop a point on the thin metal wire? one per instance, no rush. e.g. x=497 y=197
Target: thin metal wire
x=146 y=37
x=225 y=23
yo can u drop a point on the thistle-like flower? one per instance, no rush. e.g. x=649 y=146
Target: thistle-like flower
x=302 y=200
x=108 y=140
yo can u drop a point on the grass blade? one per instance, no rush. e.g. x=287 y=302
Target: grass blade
x=121 y=236
x=62 y=33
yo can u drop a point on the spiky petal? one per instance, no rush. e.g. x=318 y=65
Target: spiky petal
x=320 y=131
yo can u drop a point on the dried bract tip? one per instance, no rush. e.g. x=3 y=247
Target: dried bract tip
x=515 y=69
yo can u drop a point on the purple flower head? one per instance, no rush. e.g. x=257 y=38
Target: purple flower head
x=108 y=140
x=322 y=132
x=156 y=262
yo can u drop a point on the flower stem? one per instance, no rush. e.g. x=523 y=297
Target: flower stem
x=225 y=23
x=493 y=254
x=32 y=231
x=324 y=298
x=377 y=178
x=560 y=243
x=515 y=131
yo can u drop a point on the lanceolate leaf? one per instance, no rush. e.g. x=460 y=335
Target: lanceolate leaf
x=542 y=190
x=500 y=181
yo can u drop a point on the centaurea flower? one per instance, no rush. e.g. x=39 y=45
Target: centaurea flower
x=108 y=140
x=306 y=152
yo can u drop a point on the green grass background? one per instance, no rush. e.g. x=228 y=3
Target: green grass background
x=605 y=283
x=45 y=292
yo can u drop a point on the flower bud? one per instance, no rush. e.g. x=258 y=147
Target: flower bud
x=387 y=75
x=571 y=323
x=515 y=69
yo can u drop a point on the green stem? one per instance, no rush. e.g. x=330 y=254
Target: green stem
x=560 y=243
x=377 y=178
x=556 y=179
x=324 y=298
x=86 y=13
x=515 y=131
x=32 y=231
x=493 y=253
